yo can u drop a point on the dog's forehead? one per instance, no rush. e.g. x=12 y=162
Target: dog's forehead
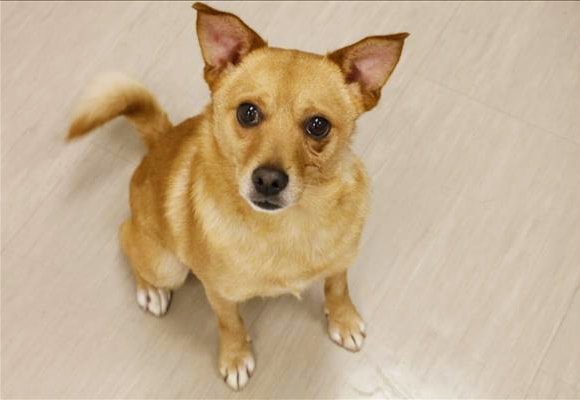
x=290 y=77
x=293 y=66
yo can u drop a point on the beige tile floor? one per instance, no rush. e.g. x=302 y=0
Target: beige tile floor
x=469 y=273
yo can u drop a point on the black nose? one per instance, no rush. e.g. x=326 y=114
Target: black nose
x=269 y=181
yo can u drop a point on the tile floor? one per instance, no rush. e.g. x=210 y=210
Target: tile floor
x=469 y=273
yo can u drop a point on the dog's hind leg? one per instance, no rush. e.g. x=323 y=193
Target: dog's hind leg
x=157 y=271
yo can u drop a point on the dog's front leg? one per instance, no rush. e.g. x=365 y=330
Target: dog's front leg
x=236 y=362
x=345 y=326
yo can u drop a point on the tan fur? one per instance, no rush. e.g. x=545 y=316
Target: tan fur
x=113 y=95
x=186 y=202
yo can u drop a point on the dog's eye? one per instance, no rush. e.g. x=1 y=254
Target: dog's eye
x=317 y=127
x=249 y=115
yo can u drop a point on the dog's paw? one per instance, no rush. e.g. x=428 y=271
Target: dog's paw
x=237 y=369
x=154 y=300
x=346 y=328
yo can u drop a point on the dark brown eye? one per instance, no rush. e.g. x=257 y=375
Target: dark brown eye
x=317 y=127
x=248 y=115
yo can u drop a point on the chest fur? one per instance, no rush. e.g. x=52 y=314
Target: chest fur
x=253 y=258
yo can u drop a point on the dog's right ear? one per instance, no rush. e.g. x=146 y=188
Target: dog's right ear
x=224 y=40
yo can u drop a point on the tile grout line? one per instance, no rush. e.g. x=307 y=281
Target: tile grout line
x=78 y=91
x=453 y=14
x=551 y=340
x=116 y=154
x=58 y=183
x=438 y=226
x=545 y=131
x=414 y=73
x=143 y=77
x=40 y=204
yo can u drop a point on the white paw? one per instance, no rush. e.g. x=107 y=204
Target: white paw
x=237 y=374
x=348 y=334
x=154 y=300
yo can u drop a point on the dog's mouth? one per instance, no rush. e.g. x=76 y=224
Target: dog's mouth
x=266 y=205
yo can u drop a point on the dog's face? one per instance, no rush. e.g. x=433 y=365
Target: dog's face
x=284 y=118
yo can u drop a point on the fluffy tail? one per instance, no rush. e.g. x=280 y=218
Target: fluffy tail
x=113 y=95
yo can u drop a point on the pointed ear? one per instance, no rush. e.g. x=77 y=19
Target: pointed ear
x=369 y=63
x=224 y=40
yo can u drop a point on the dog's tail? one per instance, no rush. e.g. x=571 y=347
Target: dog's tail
x=113 y=95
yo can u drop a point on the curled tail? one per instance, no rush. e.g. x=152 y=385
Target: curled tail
x=113 y=95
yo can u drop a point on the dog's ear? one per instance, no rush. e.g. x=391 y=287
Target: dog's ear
x=369 y=63
x=224 y=40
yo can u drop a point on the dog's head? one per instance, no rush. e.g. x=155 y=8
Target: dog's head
x=284 y=118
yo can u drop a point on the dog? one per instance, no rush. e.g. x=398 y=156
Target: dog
x=260 y=194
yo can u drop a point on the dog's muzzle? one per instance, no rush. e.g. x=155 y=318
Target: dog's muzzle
x=267 y=189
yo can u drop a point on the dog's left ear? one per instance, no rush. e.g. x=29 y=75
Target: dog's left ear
x=224 y=40
x=369 y=63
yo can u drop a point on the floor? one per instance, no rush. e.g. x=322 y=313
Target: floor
x=469 y=272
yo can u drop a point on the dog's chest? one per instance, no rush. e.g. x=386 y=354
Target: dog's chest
x=255 y=255
x=285 y=260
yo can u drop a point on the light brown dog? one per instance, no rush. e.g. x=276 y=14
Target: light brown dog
x=260 y=195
